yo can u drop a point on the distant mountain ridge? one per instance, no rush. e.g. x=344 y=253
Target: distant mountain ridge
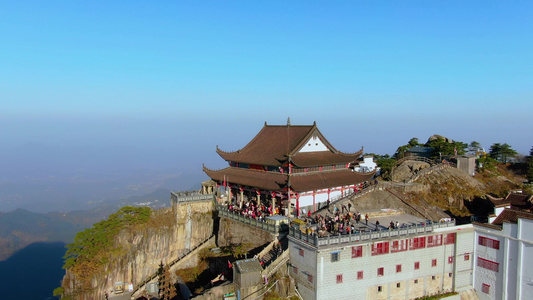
x=20 y=228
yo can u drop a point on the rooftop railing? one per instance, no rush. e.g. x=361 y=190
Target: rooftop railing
x=317 y=241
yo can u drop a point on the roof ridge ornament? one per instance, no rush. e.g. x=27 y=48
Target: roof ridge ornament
x=288 y=121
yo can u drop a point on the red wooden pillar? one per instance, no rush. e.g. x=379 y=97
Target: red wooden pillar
x=314 y=194
x=298 y=204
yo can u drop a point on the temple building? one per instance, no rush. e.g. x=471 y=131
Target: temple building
x=290 y=167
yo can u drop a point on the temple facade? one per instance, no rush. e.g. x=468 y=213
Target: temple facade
x=290 y=167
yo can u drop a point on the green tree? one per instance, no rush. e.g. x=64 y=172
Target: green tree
x=413 y=142
x=502 y=152
x=529 y=171
x=400 y=152
x=443 y=148
x=92 y=246
x=474 y=147
x=385 y=165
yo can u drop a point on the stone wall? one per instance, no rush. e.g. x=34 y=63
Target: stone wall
x=235 y=233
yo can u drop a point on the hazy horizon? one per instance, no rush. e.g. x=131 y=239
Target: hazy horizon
x=103 y=100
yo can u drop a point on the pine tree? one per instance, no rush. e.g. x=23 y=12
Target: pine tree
x=529 y=173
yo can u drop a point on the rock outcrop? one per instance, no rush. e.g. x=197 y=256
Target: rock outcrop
x=168 y=234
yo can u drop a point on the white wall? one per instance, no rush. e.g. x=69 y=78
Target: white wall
x=314 y=144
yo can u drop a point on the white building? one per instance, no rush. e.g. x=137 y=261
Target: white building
x=504 y=257
x=403 y=263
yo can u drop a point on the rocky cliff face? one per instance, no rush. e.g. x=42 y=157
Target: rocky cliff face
x=169 y=233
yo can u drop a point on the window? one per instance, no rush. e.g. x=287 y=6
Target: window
x=417 y=243
x=416 y=281
x=484 y=241
x=380 y=288
x=417 y=265
x=450 y=259
x=335 y=256
x=301 y=252
x=487 y=264
x=380 y=271
x=398 y=285
x=398 y=268
x=398 y=246
x=449 y=274
x=359 y=275
x=339 y=278
x=380 y=248
x=433 y=277
x=433 y=262
x=310 y=278
x=295 y=269
x=434 y=240
x=485 y=288
x=449 y=239
x=357 y=251
x=467 y=256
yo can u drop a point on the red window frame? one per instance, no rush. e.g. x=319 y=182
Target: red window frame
x=381 y=271
x=417 y=265
x=434 y=240
x=449 y=239
x=417 y=243
x=380 y=248
x=295 y=269
x=398 y=268
x=359 y=275
x=399 y=246
x=310 y=278
x=339 y=278
x=467 y=256
x=434 y=262
x=488 y=242
x=450 y=259
x=357 y=251
x=485 y=288
x=301 y=252
x=488 y=264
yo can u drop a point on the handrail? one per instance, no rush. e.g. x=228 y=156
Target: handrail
x=276 y=264
x=182 y=256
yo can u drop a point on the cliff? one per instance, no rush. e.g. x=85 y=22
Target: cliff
x=169 y=233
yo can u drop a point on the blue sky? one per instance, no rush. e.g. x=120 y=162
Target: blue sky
x=127 y=85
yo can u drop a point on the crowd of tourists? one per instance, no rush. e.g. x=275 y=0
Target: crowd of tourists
x=252 y=210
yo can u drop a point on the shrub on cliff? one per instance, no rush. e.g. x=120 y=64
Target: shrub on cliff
x=92 y=246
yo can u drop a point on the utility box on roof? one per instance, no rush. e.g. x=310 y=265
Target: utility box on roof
x=247 y=277
x=281 y=223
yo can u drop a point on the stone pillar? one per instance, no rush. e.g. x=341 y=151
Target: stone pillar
x=273 y=206
x=258 y=198
x=242 y=198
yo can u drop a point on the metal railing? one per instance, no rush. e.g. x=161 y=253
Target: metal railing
x=317 y=241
